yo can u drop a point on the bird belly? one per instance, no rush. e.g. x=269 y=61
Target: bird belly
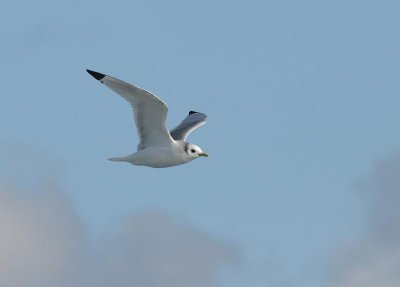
x=157 y=157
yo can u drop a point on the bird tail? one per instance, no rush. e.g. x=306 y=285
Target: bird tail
x=122 y=158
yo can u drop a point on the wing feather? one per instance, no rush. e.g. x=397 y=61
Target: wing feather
x=150 y=112
x=193 y=121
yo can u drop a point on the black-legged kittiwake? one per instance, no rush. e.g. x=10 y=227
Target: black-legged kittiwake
x=157 y=147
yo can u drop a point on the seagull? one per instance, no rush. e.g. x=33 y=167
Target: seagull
x=157 y=146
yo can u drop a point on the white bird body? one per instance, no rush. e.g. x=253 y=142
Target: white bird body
x=157 y=147
x=164 y=156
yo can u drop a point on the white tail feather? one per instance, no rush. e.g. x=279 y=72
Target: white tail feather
x=122 y=158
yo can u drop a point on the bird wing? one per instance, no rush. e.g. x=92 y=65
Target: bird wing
x=189 y=124
x=150 y=112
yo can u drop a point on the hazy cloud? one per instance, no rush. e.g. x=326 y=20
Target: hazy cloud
x=41 y=238
x=43 y=243
x=154 y=250
x=375 y=260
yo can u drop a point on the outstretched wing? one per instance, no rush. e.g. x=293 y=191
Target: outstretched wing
x=150 y=112
x=189 y=124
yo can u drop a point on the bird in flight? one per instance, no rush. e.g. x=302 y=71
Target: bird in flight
x=157 y=146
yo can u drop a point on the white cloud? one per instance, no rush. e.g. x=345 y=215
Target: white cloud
x=43 y=243
x=375 y=260
x=154 y=250
x=40 y=239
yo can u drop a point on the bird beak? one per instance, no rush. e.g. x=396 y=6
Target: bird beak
x=203 y=154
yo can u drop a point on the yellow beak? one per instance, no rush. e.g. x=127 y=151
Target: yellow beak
x=203 y=154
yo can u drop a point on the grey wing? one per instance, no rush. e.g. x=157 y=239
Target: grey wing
x=150 y=112
x=189 y=124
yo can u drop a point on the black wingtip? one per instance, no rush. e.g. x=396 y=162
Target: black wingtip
x=96 y=75
x=193 y=112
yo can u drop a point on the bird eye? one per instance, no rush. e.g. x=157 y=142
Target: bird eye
x=192 y=150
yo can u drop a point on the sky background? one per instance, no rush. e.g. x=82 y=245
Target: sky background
x=302 y=186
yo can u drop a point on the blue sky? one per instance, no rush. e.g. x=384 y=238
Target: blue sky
x=302 y=99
